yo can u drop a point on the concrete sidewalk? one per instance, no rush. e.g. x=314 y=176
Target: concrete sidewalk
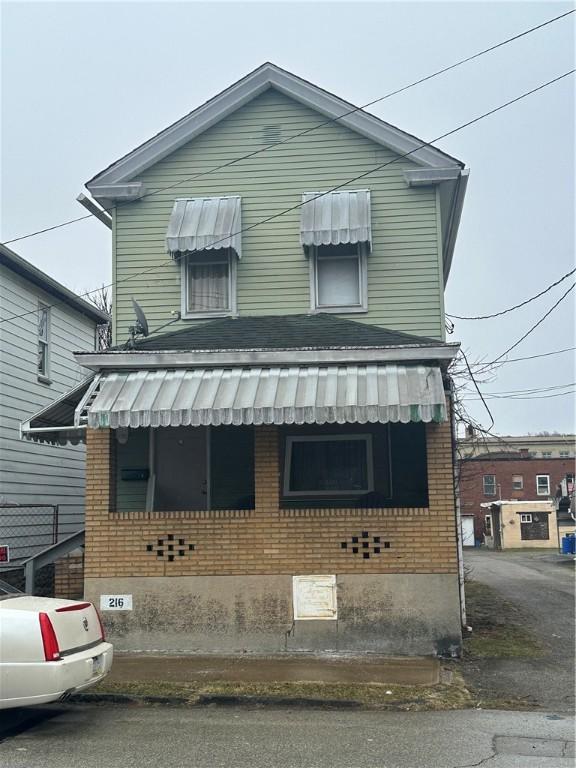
x=129 y=668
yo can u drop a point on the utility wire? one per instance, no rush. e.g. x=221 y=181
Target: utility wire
x=363 y=175
x=533 y=328
x=529 y=357
x=488 y=411
x=312 y=128
x=527 y=397
x=517 y=306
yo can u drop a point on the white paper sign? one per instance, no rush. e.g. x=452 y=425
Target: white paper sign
x=115 y=602
x=314 y=597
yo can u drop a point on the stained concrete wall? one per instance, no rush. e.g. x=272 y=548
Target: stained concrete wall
x=394 y=614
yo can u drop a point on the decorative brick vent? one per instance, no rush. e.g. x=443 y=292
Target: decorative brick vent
x=365 y=545
x=170 y=547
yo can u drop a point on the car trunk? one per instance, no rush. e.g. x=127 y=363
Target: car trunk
x=75 y=624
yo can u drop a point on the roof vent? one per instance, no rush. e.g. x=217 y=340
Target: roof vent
x=271 y=134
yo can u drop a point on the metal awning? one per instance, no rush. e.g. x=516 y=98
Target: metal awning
x=276 y=395
x=336 y=218
x=331 y=394
x=203 y=224
x=56 y=423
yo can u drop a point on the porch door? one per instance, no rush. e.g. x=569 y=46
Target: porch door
x=181 y=468
x=467 y=530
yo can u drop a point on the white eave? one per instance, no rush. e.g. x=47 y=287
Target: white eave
x=135 y=359
x=237 y=95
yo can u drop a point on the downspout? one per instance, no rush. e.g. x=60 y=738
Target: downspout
x=458 y=518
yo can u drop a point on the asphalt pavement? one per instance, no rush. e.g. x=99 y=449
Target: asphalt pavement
x=117 y=736
x=541 y=584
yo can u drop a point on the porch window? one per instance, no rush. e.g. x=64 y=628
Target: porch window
x=489 y=485
x=526 y=517
x=543 y=485
x=338 y=278
x=43 y=341
x=208 y=284
x=328 y=465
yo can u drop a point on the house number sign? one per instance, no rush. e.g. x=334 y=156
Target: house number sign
x=115 y=602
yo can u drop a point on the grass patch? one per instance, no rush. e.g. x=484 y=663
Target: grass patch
x=452 y=695
x=498 y=627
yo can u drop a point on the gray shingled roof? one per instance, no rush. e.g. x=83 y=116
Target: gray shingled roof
x=320 y=331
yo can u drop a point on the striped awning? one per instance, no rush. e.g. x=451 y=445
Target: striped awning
x=336 y=218
x=204 y=223
x=355 y=394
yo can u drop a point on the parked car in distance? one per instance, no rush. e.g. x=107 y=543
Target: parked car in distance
x=49 y=648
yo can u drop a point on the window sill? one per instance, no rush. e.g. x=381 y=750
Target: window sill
x=207 y=315
x=339 y=310
x=44 y=379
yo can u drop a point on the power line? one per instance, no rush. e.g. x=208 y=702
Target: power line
x=478 y=389
x=517 y=306
x=313 y=128
x=529 y=357
x=297 y=206
x=525 y=397
x=533 y=328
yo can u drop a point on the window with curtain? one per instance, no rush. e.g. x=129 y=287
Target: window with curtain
x=208 y=283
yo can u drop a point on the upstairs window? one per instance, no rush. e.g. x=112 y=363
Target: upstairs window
x=546 y=454
x=43 y=342
x=517 y=482
x=338 y=278
x=543 y=485
x=208 y=284
x=564 y=454
x=489 y=485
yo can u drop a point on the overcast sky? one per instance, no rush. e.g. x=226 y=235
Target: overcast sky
x=83 y=83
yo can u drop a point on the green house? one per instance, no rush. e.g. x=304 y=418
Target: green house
x=269 y=439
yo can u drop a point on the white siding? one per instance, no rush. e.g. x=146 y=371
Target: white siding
x=32 y=473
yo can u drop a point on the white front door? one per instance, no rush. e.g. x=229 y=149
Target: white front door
x=467 y=530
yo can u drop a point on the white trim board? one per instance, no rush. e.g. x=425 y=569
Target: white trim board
x=240 y=93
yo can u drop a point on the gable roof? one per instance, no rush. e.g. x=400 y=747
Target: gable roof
x=244 y=90
x=22 y=267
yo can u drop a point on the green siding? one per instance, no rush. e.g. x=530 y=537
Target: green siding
x=404 y=278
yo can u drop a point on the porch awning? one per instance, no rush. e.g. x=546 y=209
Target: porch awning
x=203 y=224
x=336 y=218
x=56 y=423
x=275 y=395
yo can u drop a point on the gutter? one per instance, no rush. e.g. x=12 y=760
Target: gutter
x=136 y=359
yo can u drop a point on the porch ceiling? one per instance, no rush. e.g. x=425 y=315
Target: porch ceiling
x=273 y=395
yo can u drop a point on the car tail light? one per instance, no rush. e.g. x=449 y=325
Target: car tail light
x=101 y=625
x=51 y=648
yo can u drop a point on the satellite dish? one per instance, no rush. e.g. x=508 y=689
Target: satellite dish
x=141 y=326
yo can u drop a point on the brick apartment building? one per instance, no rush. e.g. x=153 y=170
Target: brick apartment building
x=523 y=469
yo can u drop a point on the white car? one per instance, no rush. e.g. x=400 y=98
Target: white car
x=49 y=648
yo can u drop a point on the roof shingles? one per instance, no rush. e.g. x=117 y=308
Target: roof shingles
x=321 y=331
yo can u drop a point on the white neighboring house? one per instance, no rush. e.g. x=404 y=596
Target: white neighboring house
x=41 y=324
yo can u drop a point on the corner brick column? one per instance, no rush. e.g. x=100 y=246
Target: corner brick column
x=98 y=496
x=266 y=470
x=441 y=490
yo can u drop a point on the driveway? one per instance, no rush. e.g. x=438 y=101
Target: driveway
x=541 y=584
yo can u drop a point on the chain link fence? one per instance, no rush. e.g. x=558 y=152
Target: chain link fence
x=26 y=530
